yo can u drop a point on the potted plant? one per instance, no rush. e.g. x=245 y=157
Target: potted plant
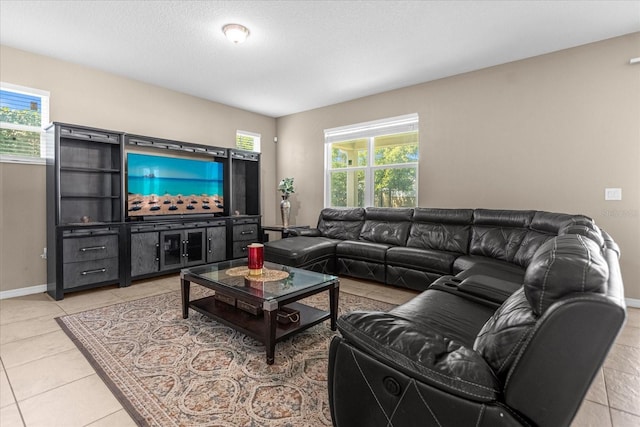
x=286 y=189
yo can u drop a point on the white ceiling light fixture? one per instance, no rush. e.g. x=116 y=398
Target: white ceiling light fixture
x=235 y=32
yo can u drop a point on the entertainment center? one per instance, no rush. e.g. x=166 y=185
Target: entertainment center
x=122 y=207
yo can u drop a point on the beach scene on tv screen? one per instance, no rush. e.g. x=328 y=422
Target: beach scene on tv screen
x=159 y=185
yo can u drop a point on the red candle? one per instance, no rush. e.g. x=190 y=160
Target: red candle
x=256 y=258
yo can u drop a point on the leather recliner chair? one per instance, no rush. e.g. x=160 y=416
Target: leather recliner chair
x=442 y=359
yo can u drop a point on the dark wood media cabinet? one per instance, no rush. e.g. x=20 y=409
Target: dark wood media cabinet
x=92 y=241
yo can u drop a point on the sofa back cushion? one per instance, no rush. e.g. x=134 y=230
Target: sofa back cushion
x=583 y=226
x=499 y=233
x=344 y=224
x=386 y=225
x=503 y=335
x=544 y=225
x=441 y=229
x=564 y=265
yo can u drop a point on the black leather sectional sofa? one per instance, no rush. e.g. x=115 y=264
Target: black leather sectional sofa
x=518 y=312
x=414 y=247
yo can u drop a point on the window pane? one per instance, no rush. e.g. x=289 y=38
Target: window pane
x=396 y=149
x=348 y=154
x=347 y=189
x=21 y=109
x=20 y=143
x=395 y=187
x=244 y=142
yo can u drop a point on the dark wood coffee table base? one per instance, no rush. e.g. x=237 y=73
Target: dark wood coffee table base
x=264 y=328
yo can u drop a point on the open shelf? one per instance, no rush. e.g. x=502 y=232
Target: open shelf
x=94 y=170
x=255 y=326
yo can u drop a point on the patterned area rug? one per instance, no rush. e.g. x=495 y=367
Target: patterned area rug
x=169 y=371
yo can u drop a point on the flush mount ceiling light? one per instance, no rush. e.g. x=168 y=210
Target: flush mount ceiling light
x=235 y=32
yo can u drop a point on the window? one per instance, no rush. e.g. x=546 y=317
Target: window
x=372 y=164
x=248 y=141
x=24 y=113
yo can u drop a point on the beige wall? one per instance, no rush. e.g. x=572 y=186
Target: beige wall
x=88 y=97
x=547 y=133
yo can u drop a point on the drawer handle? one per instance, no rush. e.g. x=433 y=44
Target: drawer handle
x=99 y=270
x=93 y=248
x=246 y=232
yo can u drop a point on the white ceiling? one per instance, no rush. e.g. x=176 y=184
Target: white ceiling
x=304 y=54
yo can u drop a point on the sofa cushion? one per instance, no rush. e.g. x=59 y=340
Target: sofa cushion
x=386 y=225
x=530 y=243
x=299 y=251
x=343 y=224
x=361 y=250
x=563 y=265
x=421 y=259
x=583 y=226
x=441 y=229
x=499 y=233
x=504 y=334
x=440 y=311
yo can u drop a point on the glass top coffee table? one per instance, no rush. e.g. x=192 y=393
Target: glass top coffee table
x=263 y=307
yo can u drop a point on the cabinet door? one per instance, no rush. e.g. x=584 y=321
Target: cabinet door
x=171 y=249
x=216 y=244
x=194 y=246
x=145 y=253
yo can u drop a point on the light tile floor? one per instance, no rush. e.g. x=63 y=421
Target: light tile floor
x=45 y=380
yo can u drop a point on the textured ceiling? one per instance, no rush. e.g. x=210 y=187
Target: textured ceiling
x=304 y=54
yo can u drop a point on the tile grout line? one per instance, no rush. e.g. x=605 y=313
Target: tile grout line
x=15 y=399
x=606 y=393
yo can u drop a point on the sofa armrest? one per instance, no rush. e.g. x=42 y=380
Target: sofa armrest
x=311 y=232
x=490 y=288
x=422 y=354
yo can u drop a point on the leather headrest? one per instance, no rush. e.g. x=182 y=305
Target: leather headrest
x=562 y=265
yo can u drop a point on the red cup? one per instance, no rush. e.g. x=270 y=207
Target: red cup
x=256 y=258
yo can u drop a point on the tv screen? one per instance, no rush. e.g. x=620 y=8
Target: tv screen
x=158 y=185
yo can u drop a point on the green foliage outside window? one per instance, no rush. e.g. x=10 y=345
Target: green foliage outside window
x=394 y=184
x=20 y=142
x=244 y=142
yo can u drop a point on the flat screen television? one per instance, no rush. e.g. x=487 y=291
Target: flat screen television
x=159 y=185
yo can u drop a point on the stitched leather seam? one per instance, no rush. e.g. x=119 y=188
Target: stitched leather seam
x=480 y=415
x=588 y=265
x=397 y=406
x=546 y=274
x=369 y=385
x=425 y=402
x=522 y=338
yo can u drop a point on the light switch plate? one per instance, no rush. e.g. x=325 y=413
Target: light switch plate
x=613 y=193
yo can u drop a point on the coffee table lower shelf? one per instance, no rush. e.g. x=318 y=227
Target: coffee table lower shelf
x=256 y=326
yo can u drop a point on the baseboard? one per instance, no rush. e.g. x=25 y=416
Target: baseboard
x=12 y=293
x=633 y=302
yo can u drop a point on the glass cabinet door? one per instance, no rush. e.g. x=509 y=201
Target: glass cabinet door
x=171 y=253
x=194 y=246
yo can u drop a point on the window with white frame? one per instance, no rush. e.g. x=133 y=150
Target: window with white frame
x=373 y=163
x=248 y=141
x=24 y=114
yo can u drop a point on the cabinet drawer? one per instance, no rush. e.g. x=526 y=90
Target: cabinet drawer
x=240 y=249
x=89 y=248
x=87 y=272
x=245 y=232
